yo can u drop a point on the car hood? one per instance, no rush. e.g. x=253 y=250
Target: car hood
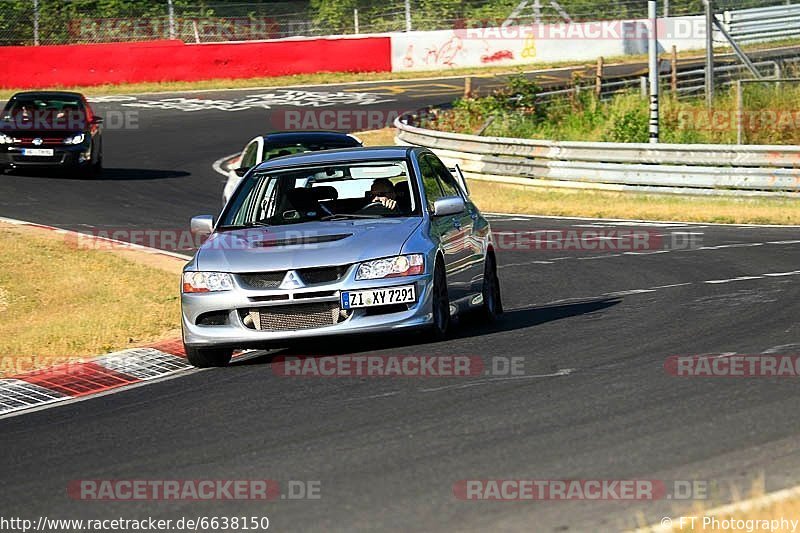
x=304 y=245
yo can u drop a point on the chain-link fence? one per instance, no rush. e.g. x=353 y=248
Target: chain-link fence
x=26 y=22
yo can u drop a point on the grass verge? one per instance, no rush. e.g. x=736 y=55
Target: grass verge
x=503 y=198
x=79 y=302
x=506 y=198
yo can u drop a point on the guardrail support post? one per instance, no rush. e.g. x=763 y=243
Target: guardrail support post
x=467 y=87
x=598 y=78
x=673 y=80
x=739 y=111
x=652 y=49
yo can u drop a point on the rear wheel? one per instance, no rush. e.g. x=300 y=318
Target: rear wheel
x=492 y=306
x=208 y=357
x=440 y=304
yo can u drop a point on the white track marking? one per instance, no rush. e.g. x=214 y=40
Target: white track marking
x=730 y=280
x=516 y=216
x=489 y=381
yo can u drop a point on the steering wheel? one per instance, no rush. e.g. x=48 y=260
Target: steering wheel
x=373 y=204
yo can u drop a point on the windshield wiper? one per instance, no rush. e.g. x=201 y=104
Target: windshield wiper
x=345 y=216
x=253 y=224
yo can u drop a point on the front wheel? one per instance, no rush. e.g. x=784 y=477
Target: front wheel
x=440 y=304
x=492 y=306
x=208 y=357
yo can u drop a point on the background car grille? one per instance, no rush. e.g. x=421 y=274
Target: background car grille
x=299 y=316
x=309 y=276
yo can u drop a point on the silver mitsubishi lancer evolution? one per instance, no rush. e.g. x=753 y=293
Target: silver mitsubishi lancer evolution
x=337 y=242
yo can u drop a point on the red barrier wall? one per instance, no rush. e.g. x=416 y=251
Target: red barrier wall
x=95 y=64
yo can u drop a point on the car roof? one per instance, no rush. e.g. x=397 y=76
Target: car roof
x=342 y=155
x=307 y=136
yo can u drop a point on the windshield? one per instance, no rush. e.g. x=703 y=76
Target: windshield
x=352 y=190
x=273 y=150
x=62 y=112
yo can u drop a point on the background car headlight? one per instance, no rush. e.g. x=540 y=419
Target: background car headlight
x=391 y=267
x=207 y=281
x=75 y=139
x=5 y=139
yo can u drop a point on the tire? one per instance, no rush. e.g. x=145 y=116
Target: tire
x=492 y=306
x=208 y=357
x=440 y=304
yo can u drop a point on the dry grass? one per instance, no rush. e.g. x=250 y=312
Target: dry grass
x=753 y=512
x=503 y=198
x=381 y=137
x=61 y=303
x=497 y=197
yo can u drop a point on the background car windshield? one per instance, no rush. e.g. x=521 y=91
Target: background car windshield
x=63 y=111
x=354 y=190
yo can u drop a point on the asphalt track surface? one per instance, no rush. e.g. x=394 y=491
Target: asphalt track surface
x=593 y=329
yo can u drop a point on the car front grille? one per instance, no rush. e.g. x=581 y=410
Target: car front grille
x=298 y=316
x=309 y=276
x=263 y=280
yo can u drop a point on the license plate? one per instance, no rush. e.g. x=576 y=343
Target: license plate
x=37 y=151
x=373 y=297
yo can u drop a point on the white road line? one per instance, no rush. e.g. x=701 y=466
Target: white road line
x=476 y=383
x=672 y=222
x=740 y=278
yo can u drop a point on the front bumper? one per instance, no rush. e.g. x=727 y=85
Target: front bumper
x=63 y=156
x=234 y=303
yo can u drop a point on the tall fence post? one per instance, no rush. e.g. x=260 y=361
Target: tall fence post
x=171 y=14
x=653 y=68
x=36 y=22
x=709 y=53
x=355 y=20
x=408 y=15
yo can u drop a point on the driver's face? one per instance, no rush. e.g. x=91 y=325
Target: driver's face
x=382 y=190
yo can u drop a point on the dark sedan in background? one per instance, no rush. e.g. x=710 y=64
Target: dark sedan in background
x=51 y=130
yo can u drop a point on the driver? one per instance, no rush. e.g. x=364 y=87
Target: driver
x=382 y=192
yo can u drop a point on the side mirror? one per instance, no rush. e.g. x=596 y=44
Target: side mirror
x=202 y=225
x=241 y=171
x=450 y=205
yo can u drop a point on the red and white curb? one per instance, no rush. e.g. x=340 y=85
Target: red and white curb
x=80 y=379
x=70 y=381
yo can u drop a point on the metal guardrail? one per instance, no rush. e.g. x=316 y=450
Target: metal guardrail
x=749 y=170
x=763 y=23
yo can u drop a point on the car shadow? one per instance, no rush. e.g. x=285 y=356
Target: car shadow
x=510 y=321
x=108 y=174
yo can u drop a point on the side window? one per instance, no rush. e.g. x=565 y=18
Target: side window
x=429 y=181
x=250 y=154
x=446 y=178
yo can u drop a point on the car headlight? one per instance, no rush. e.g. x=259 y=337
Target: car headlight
x=392 y=267
x=75 y=139
x=5 y=139
x=207 y=282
